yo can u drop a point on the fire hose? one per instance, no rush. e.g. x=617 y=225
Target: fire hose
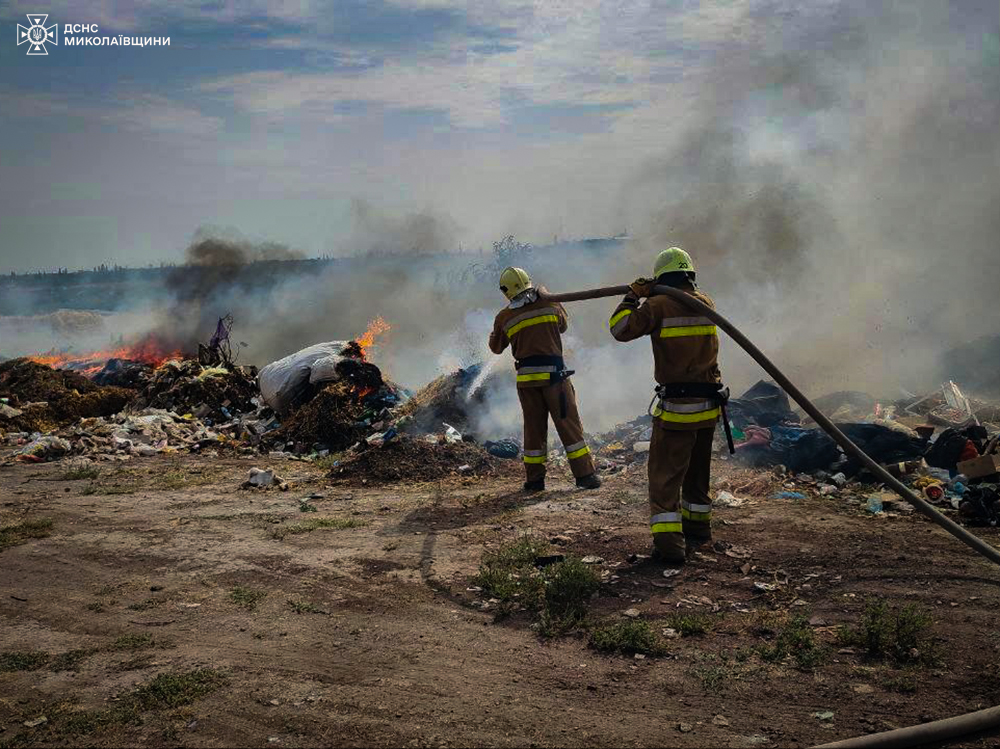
x=974 y=542
x=938 y=731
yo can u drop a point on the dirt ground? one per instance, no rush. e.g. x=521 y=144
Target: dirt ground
x=365 y=632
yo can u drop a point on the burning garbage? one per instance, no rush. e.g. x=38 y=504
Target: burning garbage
x=217 y=393
x=49 y=398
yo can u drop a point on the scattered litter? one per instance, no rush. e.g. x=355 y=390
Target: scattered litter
x=631 y=613
x=825 y=715
x=592 y=560
x=725 y=499
x=788 y=495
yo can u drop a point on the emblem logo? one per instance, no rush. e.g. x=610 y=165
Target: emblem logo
x=36 y=36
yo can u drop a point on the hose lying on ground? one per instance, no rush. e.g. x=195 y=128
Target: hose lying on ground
x=828 y=426
x=926 y=733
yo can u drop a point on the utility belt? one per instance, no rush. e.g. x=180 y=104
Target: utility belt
x=541 y=370
x=715 y=396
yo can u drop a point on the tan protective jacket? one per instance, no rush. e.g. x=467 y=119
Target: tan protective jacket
x=531 y=330
x=685 y=350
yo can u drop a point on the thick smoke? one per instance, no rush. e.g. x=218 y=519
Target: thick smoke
x=841 y=202
x=378 y=232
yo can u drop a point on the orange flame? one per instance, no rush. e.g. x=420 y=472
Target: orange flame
x=376 y=327
x=148 y=350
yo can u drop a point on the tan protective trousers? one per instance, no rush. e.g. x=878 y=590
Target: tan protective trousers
x=680 y=463
x=559 y=402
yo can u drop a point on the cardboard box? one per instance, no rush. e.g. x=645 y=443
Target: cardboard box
x=984 y=465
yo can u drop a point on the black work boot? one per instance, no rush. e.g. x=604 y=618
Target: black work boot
x=668 y=548
x=534 y=486
x=590 y=481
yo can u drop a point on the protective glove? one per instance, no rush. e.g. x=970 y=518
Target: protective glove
x=642 y=287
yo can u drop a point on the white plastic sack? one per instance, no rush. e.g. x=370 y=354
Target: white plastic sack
x=325 y=369
x=282 y=381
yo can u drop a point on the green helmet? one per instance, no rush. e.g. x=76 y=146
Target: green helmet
x=672 y=259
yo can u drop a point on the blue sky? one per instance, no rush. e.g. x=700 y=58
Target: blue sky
x=270 y=117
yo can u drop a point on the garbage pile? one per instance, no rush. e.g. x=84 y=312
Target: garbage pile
x=419 y=459
x=216 y=394
x=126 y=373
x=36 y=398
x=141 y=434
x=624 y=444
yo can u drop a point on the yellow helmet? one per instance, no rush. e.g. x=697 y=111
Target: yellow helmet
x=672 y=259
x=513 y=281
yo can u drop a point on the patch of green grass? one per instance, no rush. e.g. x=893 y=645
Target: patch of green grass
x=96 y=607
x=246 y=598
x=896 y=633
x=319 y=523
x=568 y=586
x=795 y=639
x=690 y=625
x=174 y=690
x=23 y=660
x=83 y=472
x=557 y=594
x=166 y=691
x=12 y=535
x=904 y=683
x=69 y=660
x=509 y=575
x=133 y=642
x=712 y=677
x=306 y=507
x=627 y=638
x=304 y=607
x=149 y=603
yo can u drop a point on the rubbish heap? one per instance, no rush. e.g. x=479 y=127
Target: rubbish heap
x=419 y=459
x=125 y=373
x=36 y=398
x=141 y=434
x=216 y=394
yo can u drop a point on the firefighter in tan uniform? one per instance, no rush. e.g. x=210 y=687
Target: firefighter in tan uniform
x=690 y=396
x=533 y=329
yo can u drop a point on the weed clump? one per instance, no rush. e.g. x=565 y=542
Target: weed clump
x=795 y=639
x=896 y=633
x=628 y=637
x=556 y=593
x=12 y=535
x=317 y=524
x=690 y=625
x=246 y=598
x=23 y=660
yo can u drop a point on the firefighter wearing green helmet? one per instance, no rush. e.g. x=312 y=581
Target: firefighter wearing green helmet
x=533 y=328
x=689 y=396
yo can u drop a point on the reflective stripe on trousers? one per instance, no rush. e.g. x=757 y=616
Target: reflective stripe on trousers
x=679 y=327
x=535 y=456
x=666 y=522
x=698 y=513
x=577 y=450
